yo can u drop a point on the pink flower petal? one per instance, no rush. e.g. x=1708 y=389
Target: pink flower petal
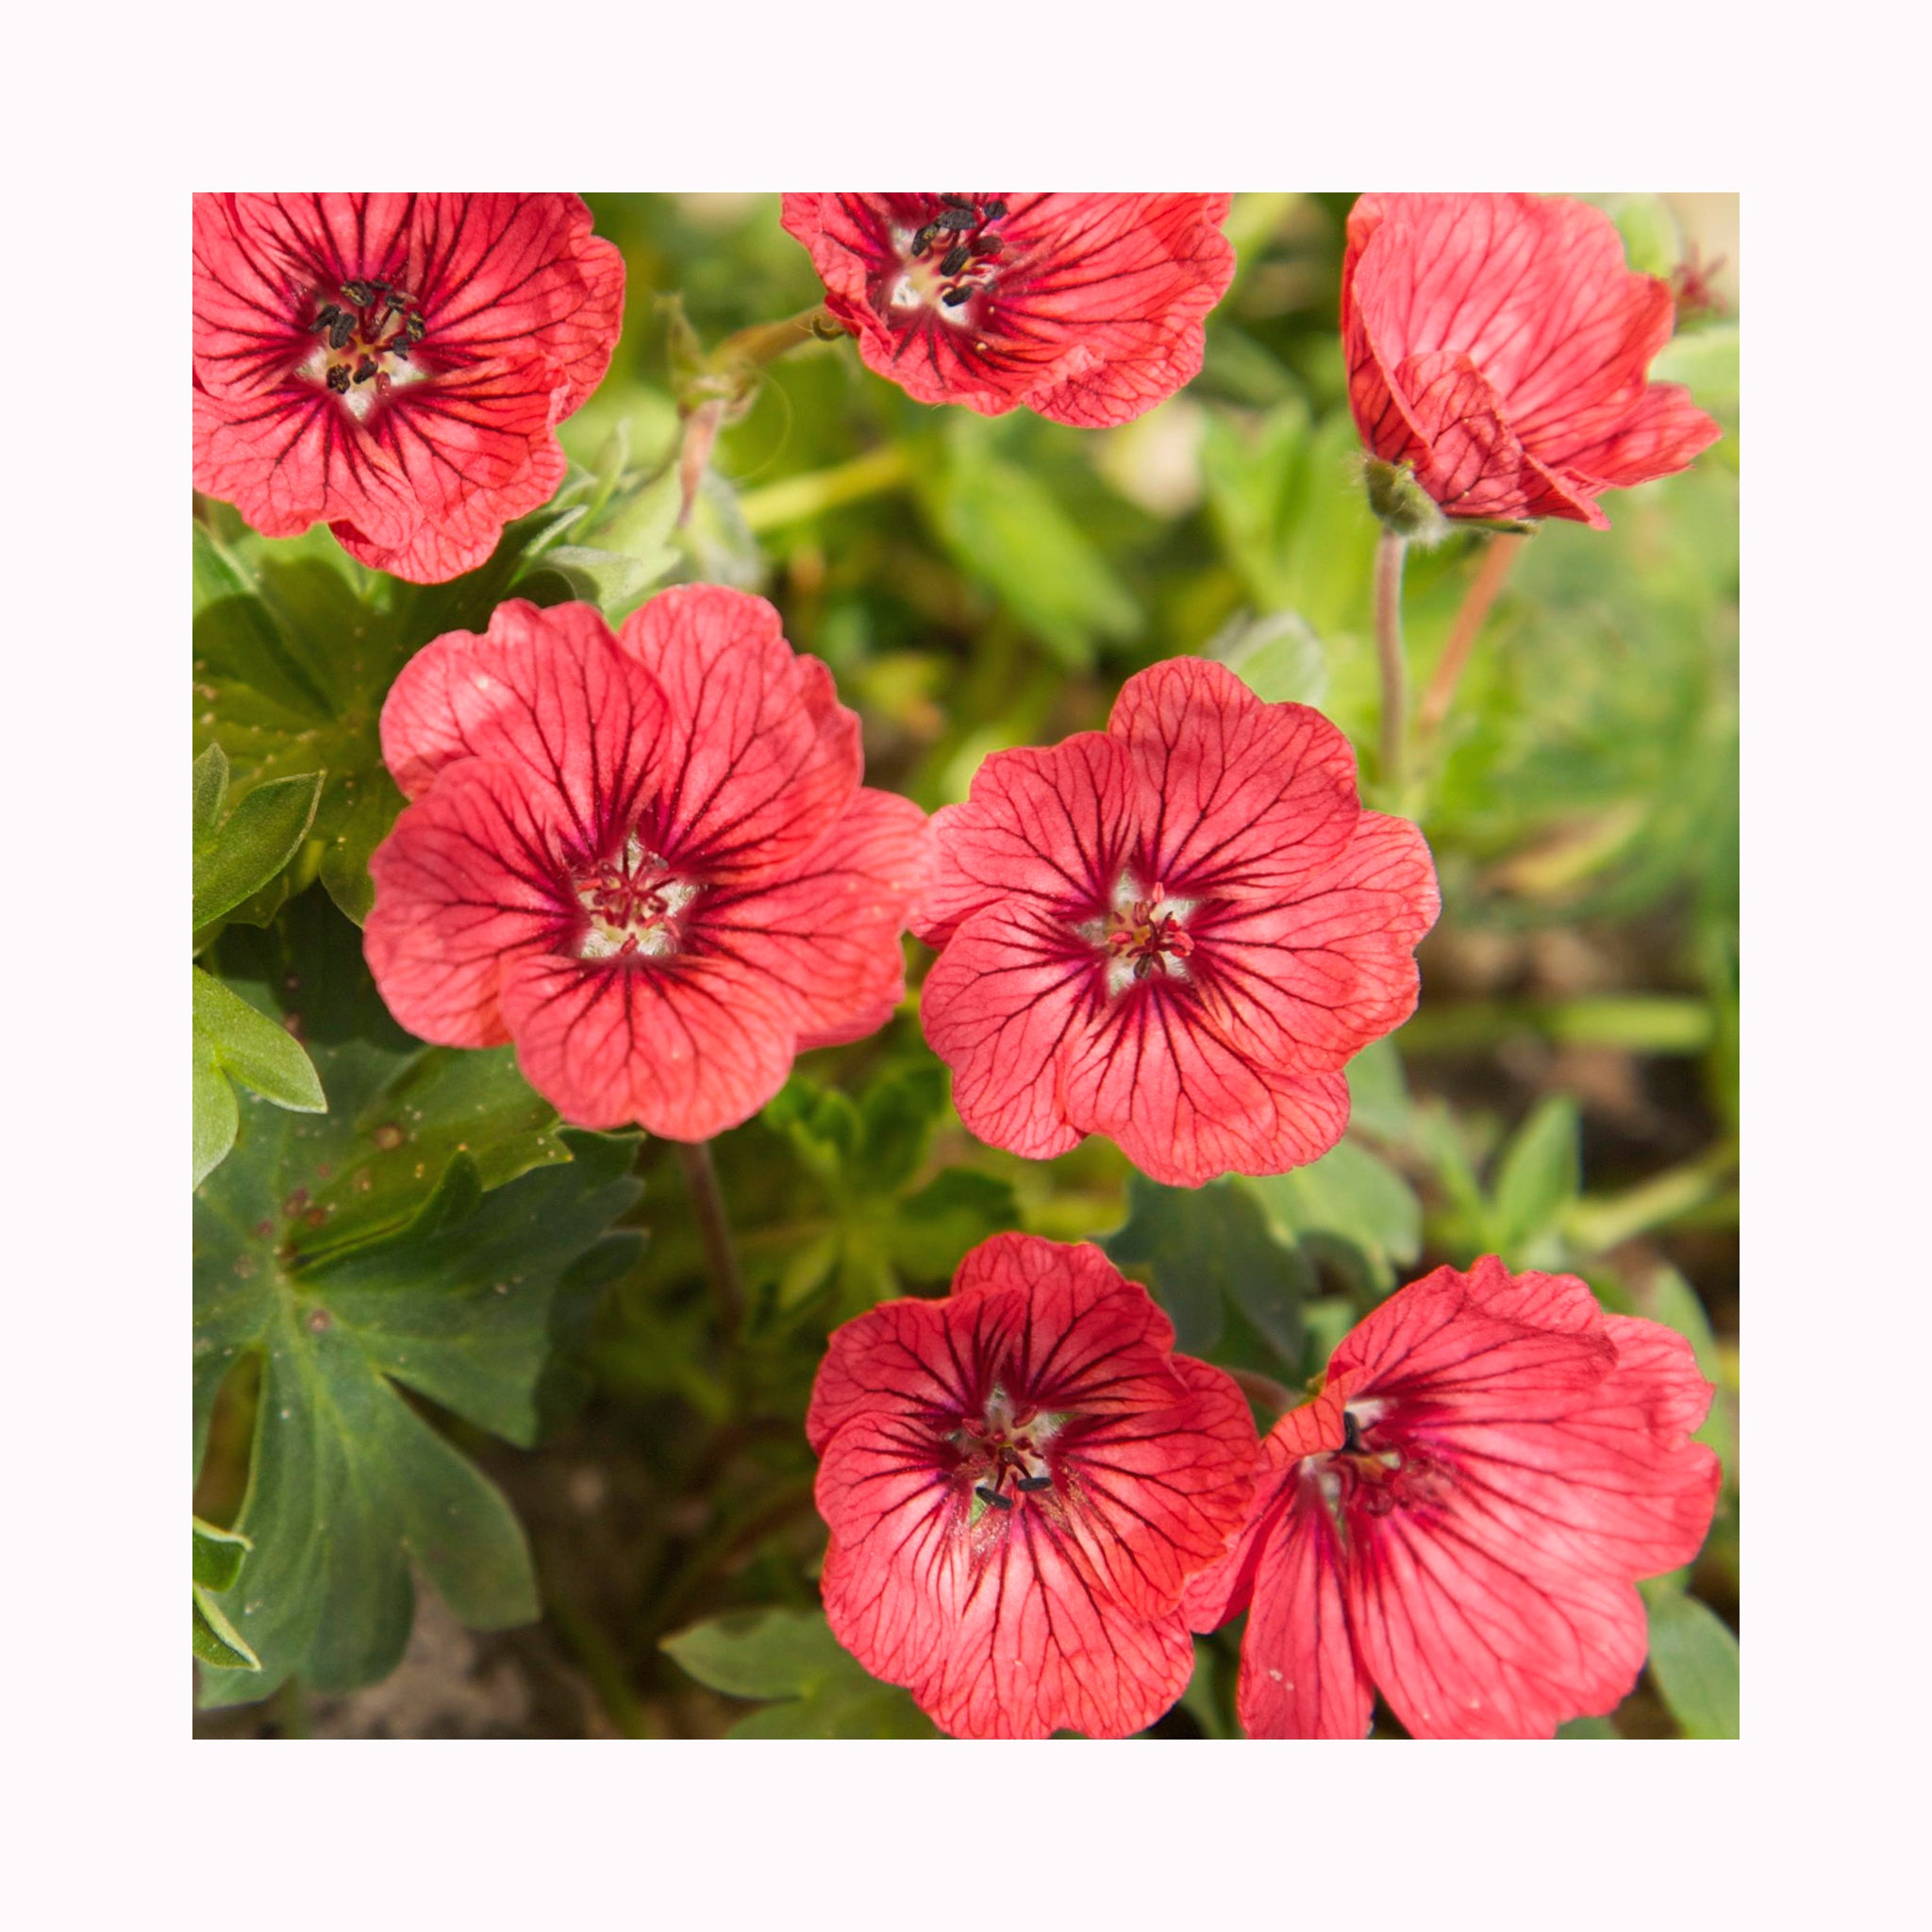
x=1184 y=1105
x=1245 y=796
x=546 y=693
x=469 y=879
x=1001 y=1005
x=760 y=756
x=828 y=932
x=1301 y=983
x=684 y=1047
x=1053 y=824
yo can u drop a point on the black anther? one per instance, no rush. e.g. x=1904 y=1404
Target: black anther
x=952 y=297
x=364 y=370
x=955 y=219
x=994 y=210
x=330 y=312
x=988 y=244
x=1351 y=1434
x=415 y=326
x=956 y=259
x=358 y=292
x=339 y=378
x=340 y=330
x=956 y=201
x=1030 y=1483
x=994 y=1496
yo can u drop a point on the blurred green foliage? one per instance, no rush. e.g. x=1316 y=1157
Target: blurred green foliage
x=1566 y=1093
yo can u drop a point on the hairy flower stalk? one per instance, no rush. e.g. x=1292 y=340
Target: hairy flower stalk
x=1391 y=548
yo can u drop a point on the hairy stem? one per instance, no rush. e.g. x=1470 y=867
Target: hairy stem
x=707 y=1204
x=1390 y=552
x=765 y=342
x=1485 y=588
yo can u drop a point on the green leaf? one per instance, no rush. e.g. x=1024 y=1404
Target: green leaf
x=258 y=839
x=216 y=1114
x=216 y=1641
x=432 y=1232
x=1378 y=1102
x=1277 y=657
x=1538 y=1177
x=896 y=1118
x=251 y=1047
x=296 y=649
x=759 y=1652
x=231 y=1038
x=927 y=1234
x=1292 y=514
x=1354 y=1197
x=211 y=789
x=791 y=1654
x=1007 y=529
x=1694 y=1661
x=1203 y=1247
x=1586 y=1727
x=218 y=1555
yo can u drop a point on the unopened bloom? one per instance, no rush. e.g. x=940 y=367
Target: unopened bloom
x=1084 y=308
x=646 y=858
x=1020 y=1481
x=1498 y=346
x=395 y=364
x=1176 y=932
x=1458 y=1519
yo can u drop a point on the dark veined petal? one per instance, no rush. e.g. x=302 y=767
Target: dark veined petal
x=759 y=759
x=1053 y=824
x=1303 y=984
x=1152 y=1495
x=1154 y=1074
x=1010 y=1639
x=1245 y=796
x=683 y=1047
x=829 y=931
x=546 y=693
x=1004 y=1001
x=469 y=878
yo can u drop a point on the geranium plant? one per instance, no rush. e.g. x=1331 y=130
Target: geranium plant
x=857 y=1071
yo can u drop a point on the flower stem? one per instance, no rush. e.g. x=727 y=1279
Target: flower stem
x=1485 y=588
x=707 y=1204
x=1265 y=1393
x=1390 y=552
x=765 y=342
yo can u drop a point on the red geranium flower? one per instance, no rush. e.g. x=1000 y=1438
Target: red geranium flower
x=1020 y=1481
x=1175 y=932
x=1084 y=308
x=396 y=363
x=1458 y=1518
x=647 y=859
x=1498 y=344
